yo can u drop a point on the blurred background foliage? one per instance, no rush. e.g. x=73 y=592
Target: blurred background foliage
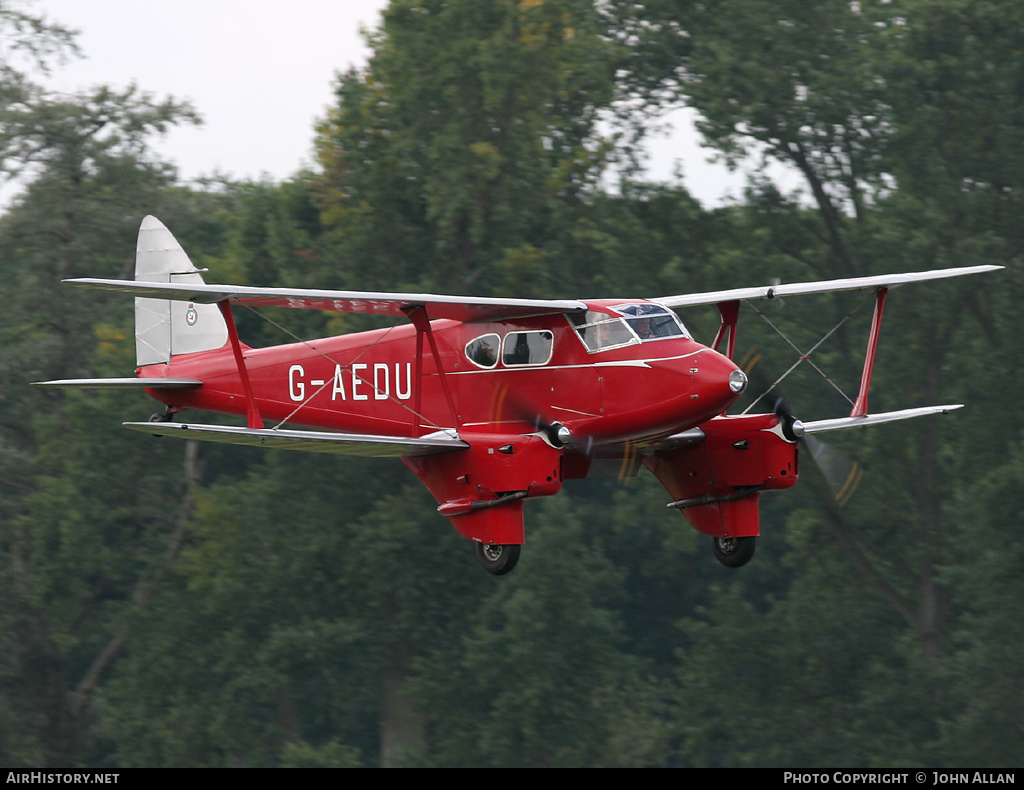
x=168 y=604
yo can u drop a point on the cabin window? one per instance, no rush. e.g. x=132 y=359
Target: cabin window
x=652 y=322
x=600 y=331
x=528 y=348
x=483 y=351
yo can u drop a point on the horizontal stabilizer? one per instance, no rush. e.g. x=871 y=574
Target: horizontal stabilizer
x=364 y=445
x=820 y=426
x=153 y=384
x=825 y=286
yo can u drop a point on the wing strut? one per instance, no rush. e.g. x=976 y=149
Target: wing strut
x=418 y=316
x=727 y=331
x=860 y=406
x=253 y=416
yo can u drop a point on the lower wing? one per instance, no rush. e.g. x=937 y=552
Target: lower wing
x=364 y=445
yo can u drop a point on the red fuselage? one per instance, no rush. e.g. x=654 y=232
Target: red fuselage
x=387 y=381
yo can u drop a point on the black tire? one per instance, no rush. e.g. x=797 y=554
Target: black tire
x=734 y=552
x=498 y=558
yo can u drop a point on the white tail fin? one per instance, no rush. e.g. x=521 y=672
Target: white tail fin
x=164 y=328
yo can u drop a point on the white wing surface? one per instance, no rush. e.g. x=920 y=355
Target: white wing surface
x=819 y=426
x=479 y=308
x=460 y=308
x=149 y=383
x=824 y=286
x=364 y=445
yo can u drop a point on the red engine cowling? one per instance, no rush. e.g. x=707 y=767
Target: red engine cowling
x=717 y=482
x=482 y=489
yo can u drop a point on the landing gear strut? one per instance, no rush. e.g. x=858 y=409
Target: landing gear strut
x=734 y=552
x=498 y=558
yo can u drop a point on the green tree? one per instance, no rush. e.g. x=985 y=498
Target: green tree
x=31 y=44
x=85 y=524
x=828 y=89
x=543 y=677
x=471 y=133
x=307 y=591
x=899 y=117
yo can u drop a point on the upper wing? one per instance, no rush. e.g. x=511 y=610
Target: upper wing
x=796 y=289
x=479 y=308
x=460 y=308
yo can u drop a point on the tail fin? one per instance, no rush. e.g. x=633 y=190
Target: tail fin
x=164 y=328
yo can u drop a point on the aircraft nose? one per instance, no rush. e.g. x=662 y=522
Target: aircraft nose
x=719 y=380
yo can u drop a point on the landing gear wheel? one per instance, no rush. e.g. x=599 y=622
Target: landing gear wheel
x=161 y=416
x=498 y=558
x=734 y=552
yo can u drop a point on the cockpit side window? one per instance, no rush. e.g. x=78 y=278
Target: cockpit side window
x=483 y=351
x=652 y=321
x=527 y=348
x=600 y=331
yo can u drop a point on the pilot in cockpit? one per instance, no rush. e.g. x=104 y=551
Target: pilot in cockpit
x=643 y=329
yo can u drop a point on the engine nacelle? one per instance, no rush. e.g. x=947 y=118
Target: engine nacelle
x=717 y=482
x=481 y=489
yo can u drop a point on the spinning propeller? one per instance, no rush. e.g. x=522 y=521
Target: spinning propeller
x=842 y=473
x=557 y=434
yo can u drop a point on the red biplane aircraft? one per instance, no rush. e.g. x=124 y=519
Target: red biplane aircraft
x=490 y=402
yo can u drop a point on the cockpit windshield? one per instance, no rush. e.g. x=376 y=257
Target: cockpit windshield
x=652 y=321
x=636 y=323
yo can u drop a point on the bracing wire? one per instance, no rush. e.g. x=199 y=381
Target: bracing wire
x=803 y=356
x=348 y=367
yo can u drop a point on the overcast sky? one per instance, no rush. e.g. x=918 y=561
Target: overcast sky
x=261 y=73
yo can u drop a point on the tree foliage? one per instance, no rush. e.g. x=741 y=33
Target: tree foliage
x=443 y=174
